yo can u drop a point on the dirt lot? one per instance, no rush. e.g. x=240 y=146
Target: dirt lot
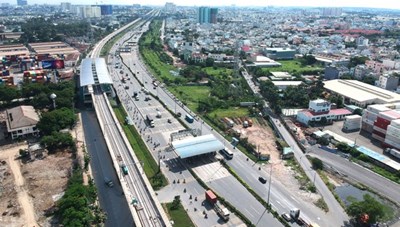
x=11 y=212
x=260 y=134
x=46 y=180
x=29 y=189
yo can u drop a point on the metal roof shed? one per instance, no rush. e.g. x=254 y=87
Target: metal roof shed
x=197 y=146
x=94 y=71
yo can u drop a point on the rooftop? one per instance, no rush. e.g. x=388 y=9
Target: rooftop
x=361 y=92
x=21 y=116
x=197 y=146
x=94 y=71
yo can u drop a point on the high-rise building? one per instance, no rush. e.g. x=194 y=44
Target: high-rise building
x=332 y=12
x=213 y=15
x=170 y=7
x=65 y=6
x=106 y=9
x=22 y=2
x=207 y=15
x=88 y=11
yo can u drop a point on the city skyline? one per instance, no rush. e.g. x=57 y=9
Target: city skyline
x=389 y=4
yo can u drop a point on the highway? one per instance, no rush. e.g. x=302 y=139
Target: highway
x=281 y=199
x=135 y=184
x=354 y=172
x=139 y=108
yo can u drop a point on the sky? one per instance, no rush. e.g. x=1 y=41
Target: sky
x=390 y=4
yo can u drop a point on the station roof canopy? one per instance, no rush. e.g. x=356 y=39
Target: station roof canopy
x=196 y=146
x=94 y=71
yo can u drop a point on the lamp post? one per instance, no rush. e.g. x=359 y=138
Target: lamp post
x=53 y=97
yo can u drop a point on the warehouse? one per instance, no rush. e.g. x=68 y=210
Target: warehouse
x=359 y=93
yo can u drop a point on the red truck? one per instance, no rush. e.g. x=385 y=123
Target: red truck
x=221 y=210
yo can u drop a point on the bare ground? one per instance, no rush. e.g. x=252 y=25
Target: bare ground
x=263 y=138
x=15 y=204
x=46 y=180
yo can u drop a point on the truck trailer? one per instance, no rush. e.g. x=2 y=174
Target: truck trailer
x=222 y=211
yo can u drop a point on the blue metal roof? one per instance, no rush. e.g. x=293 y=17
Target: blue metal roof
x=197 y=146
x=100 y=71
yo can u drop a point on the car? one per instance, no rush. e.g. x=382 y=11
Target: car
x=134 y=201
x=287 y=217
x=135 y=94
x=108 y=182
x=178 y=114
x=124 y=169
x=147 y=98
x=126 y=87
x=169 y=121
x=121 y=72
x=262 y=180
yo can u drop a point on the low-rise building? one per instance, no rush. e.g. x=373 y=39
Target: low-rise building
x=388 y=82
x=320 y=109
x=21 y=121
x=279 y=53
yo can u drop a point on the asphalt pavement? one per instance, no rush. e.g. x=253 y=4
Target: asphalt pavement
x=111 y=199
x=353 y=171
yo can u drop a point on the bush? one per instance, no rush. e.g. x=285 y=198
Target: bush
x=317 y=164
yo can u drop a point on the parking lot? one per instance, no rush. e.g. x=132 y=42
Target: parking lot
x=361 y=139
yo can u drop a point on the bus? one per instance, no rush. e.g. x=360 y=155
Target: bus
x=227 y=153
x=189 y=118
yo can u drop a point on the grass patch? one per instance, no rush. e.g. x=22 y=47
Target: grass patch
x=151 y=169
x=389 y=175
x=218 y=71
x=292 y=66
x=152 y=59
x=231 y=112
x=179 y=215
x=322 y=204
x=191 y=95
x=305 y=183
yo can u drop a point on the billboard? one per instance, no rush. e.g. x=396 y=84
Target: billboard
x=53 y=64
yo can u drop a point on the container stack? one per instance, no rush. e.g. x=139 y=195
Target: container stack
x=352 y=123
x=392 y=138
x=370 y=115
x=382 y=122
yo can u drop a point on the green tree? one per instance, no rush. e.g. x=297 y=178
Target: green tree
x=358 y=111
x=7 y=93
x=57 y=140
x=370 y=206
x=369 y=80
x=317 y=164
x=271 y=93
x=209 y=62
x=56 y=120
x=357 y=60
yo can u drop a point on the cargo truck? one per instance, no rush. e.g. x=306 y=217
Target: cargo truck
x=217 y=206
x=299 y=219
x=150 y=121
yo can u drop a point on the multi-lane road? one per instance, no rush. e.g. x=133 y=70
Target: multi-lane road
x=148 y=211
x=281 y=199
x=160 y=134
x=358 y=173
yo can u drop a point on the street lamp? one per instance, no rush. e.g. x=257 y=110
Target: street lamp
x=53 y=97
